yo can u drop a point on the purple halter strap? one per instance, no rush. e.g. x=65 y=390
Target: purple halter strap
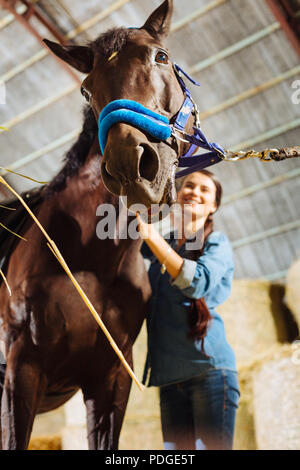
x=189 y=161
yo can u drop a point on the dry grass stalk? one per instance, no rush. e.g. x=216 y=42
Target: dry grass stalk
x=5 y=280
x=14 y=233
x=8 y=208
x=23 y=176
x=45 y=443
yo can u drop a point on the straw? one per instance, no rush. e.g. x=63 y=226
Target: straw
x=5 y=280
x=23 y=176
x=14 y=233
x=8 y=208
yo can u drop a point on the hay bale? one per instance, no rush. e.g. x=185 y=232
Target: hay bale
x=245 y=428
x=46 y=430
x=75 y=411
x=276 y=400
x=253 y=318
x=45 y=443
x=74 y=438
x=74 y=434
x=244 y=432
x=141 y=434
x=49 y=424
x=292 y=291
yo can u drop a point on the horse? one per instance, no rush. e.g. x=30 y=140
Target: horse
x=53 y=346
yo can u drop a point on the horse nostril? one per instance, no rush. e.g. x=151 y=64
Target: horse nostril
x=109 y=181
x=105 y=169
x=149 y=163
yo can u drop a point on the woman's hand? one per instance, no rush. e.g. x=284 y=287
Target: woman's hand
x=171 y=261
x=146 y=231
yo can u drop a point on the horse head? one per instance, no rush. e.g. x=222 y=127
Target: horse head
x=133 y=64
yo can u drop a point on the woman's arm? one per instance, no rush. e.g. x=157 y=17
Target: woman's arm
x=214 y=268
x=160 y=248
x=194 y=278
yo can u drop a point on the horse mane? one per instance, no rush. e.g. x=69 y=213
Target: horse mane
x=76 y=156
x=107 y=43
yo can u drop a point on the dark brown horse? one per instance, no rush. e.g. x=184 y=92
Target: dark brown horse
x=53 y=345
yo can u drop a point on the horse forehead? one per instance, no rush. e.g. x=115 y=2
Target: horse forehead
x=137 y=42
x=125 y=67
x=141 y=37
x=129 y=61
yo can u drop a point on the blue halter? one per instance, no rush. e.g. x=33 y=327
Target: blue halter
x=137 y=115
x=133 y=113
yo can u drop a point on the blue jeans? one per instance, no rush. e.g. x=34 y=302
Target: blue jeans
x=199 y=413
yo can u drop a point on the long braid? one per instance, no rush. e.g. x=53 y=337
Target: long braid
x=199 y=316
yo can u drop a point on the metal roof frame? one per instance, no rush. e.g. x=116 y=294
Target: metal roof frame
x=32 y=10
x=287 y=13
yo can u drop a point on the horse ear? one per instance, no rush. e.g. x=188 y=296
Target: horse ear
x=158 y=23
x=79 y=57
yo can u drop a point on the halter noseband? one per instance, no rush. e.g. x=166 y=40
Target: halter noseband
x=159 y=126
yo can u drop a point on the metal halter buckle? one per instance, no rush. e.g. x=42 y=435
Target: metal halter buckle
x=174 y=132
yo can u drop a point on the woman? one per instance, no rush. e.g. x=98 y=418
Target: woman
x=188 y=355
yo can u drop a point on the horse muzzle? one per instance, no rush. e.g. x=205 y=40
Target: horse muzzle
x=132 y=167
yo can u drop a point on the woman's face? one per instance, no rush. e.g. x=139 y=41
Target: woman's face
x=198 y=195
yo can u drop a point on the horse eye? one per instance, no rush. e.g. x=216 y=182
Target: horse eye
x=85 y=94
x=161 y=57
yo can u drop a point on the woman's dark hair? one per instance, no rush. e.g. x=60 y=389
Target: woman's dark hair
x=199 y=314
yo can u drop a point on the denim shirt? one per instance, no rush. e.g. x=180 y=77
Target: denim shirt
x=172 y=355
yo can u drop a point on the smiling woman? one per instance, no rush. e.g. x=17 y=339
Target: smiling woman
x=198 y=196
x=188 y=354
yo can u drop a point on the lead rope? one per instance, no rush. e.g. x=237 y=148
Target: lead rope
x=267 y=155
